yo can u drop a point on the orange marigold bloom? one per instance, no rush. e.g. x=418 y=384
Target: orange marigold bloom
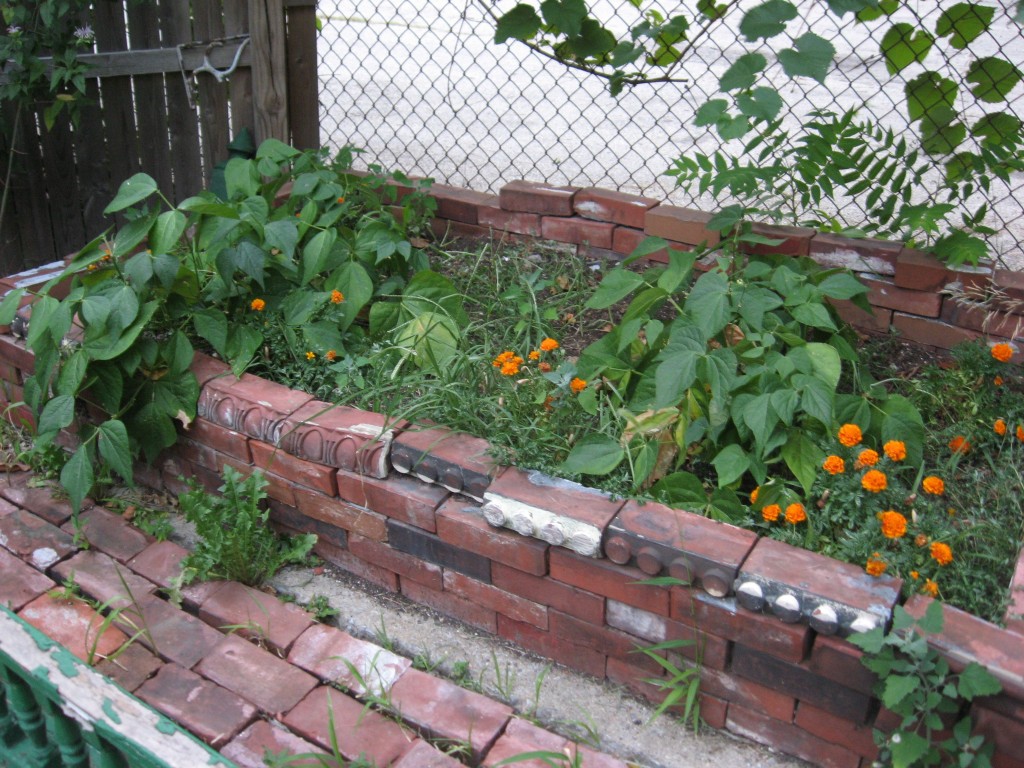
x=1002 y=352
x=331 y=355
x=508 y=356
x=795 y=513
x=867 y=457
x=999 y=427
x=930 y=588
x=959 y=444
x=998 y=381
x=544 y=367
x=920 y=540
x=511 y=367
x=834 y=465
x=257 y=305
x=771 y=513
x=577 y=385
x=894 y=525
x=754 y=493
x=850 y=435
x=933 y=485
x=311 y=355
x=941 y=553
x=1020 y=433
x=534 y=354
x=875 y=566
x=874 y=481
x=549 y=345
x=896 y=450
x=341 y=199
x=915 y=575
x=337 y=297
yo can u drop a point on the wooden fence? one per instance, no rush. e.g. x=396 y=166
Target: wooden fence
x=141 y=116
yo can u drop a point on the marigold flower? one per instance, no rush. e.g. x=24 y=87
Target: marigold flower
x=850 y=435
x=933 y=485
x=331 y=355
x=547 y=402
x=754 y=494
x=341 y=199
x=771 y=513
x=874 y=481
x=941 y=553
x=1002 y=352
x=896 y=450
x=577 y=385
x=257 y=305
x=867 y=458
x=511 y=367
x=1020 y=433
x=875 y=566
x=549 y=345
x=311 y=355
x=544 y=367
x=337 y=297
x=795 y=513
x=894 y=525
x=915 y=575
x=959 y=444
x=834 y=465
x=534 y=354
x=930 y=588
x=998 y=381
x=999 y=427
x=920 y=540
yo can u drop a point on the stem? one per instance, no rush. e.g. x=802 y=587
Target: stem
x=10 y=163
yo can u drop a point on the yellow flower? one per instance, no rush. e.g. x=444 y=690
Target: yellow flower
x=941 y=553
x=257 y=305
x=549 y=345
x=999 y=427
x=850 y=435
x=896 y=450
x=337 y=297
x=867 y=458
x=771 y=513
x=311 y=355
x=795 y=513
x=933 y=485
x=874 y=481
x=1002 y=352
x=894 y=525
x=534 y=354
x=577 y=385
x=930 y=588
x=875 y=565
x=834 y=465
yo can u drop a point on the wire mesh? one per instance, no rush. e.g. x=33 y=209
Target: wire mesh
x=420 y=86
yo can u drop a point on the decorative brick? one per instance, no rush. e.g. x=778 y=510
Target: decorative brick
x=110 y=533
x=547 y=644
x=452 y=605
x=460 y=204
x=297 y=523
x=398 y=496
x=444 y=710
x=836 y=730
x=920 y=271
x=518 y=222
x=37 y=500
x=454 y=460
x=20 y=583
x=357 y=731
x=409 y=567
x=132 y=666
x=885 y=293
x=934 y=333
x=502 y=602
x=168 y=631
x=796 y=741
x=269 y=682
x=207 y=368
x=256 y=614
x=212 y=713
x=250 y=405
x=427 y=547
x=339 y=436
x=463 y=526
x=616 y=207
x=533 y=197
x=248 y=748
x=75 y=625
x=332 y=655
x=575 y=229
x=557 y=511
x=160 y=562
x=33 y=539
x=356 y=566
x=104 y=579
x=683 y=225
x=423 y=755
x=575 y=602
x=876 y=321
x=220 y=439
x=692 y=548
x=340 y=514
x=859 y=255
x=605 y=578
x=271 y=459
x=796 y=241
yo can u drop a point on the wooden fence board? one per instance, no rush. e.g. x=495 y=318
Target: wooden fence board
x=151 y=114
x=120 y=131
x=96 y=185
x=303 y=82
x=269 y=82
x=236 y=22
x=187 y=164
x=60 y=177
x=27 y=186
x=213 y=96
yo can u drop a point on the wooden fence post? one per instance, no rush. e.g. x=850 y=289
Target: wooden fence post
x=303 y=80
x=270 y=88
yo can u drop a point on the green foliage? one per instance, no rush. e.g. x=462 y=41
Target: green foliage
x=917 y=685
x=236 y=541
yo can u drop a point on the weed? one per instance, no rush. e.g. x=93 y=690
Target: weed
x=68 y=589
x=552 y=759
x=382 y=638
x=425 y=663
x=321 y=608
x=462 y=675
x=538 y=683
x=504 y=678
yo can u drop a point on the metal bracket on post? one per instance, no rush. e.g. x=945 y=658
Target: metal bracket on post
x=220 y=74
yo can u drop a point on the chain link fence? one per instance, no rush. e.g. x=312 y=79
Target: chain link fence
x=420 y=86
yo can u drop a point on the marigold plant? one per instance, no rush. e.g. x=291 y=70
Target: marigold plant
x=933 y=485
x=1002 y=352
x=834 y=465
x=337 y=297
x=875 y=565
x=999 y=427
x=257 y=305
x=894 y=525
x=850 y=435
x=771 y=512
x=867 y=458
x=959 y=444
x=874 y=481
x=896 y=450
x=549 y=345
x=577 y=385
x=941 y=553
x=796 y=513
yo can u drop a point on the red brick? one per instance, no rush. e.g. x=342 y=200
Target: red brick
x=452 y=605
x=406 y=566
x=428 y=547
x=357 y=731
x=788 y=738
x=655 y=629
x=20 y=583
x=459 y=525
x=33 y=539
x=859 y=255
x=609 y=580
x=399 y=496
x=110 y=533
x=168 y=631
x=332 y=655
x=423 y=755
x=533 y=197
x=460 y=204
x=575 y=229
x=104 y=579
x=728 y=687
x=336 y=512
x=884 y=293
x=15 y=352
x=75 y=625
x=9 y=373
x=934 y=333
x=519 y=222
x=974 y=279
x=636 y=678
x=131 y=667
x=221 y=439
x=714 y=712
x=278 y=487
x=767 y=633
x=256 y=614
x=522 y=737
x=796 y=241
x=626 y=240
x=1014 y=616
x=575 y=602
x=836 y=730
x=356 y=566
x=1010 y=282
x=250 y=405
x=269 y=682
x=160 y=562
x=34 y=278
x=920 y=271
x=977 y=317
x=548 y=644
x=616 y=207
x=212 y=713
x=1007 y=734
x=294 y=523
x=198 y=453
x=603 y=640
x=876 y=321
x=445 y=229
x=248 y=748
x=315 y=476
x=444 y=710
x=339 y=436
x=491 y=597
x=683 y=225
x=207 y=368
x=838 y=660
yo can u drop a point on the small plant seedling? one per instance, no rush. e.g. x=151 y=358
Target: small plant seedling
x=504 y=678
x=425 y=663
x=321 y=608
x=381 y=637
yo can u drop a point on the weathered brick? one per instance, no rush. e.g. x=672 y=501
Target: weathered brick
x=462 y=525
x=132 y=666
x=974 y=278
x=290 y=518
x=253 y=406
x=836 y=730
x=934 y=333
x=33 y=539
x=988 y=320
x=398 y=496
x=17 y=354
x=110 y=533
x=748 y=693
x=445 y=229
x=247 y=750
x=256 y=614
x=519 y=222
x=608 y=579
x=424 y=755
x=1014 y=616
x=207 y=368
x=430 y=548
x=337 y=657
x=339 y=436
x=502 y=602
x=796 y=241
x=20 y=583
x=168 y=632
x=920 y=271
x=616 y=207
x=341 y=514
x=533 y=197
x=356 y=566
x=683 y=225
x=547 y=644
x=575 y=229
x=39 y=500
x=220 y=439
x=712 y=650
x=1010 y=282
x=575 y=602
x=603 y=640
x=452 y=605
x=625 y=240
x=876 y=321
x=859 y=255
x=75 y=625
x=788 y=738
x=410 y=567
x=885 y=293
x=839 y=661
x=1007 y=735
x=160 y=562
x=278 y=487
x=307 y=473
x=460 y=204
